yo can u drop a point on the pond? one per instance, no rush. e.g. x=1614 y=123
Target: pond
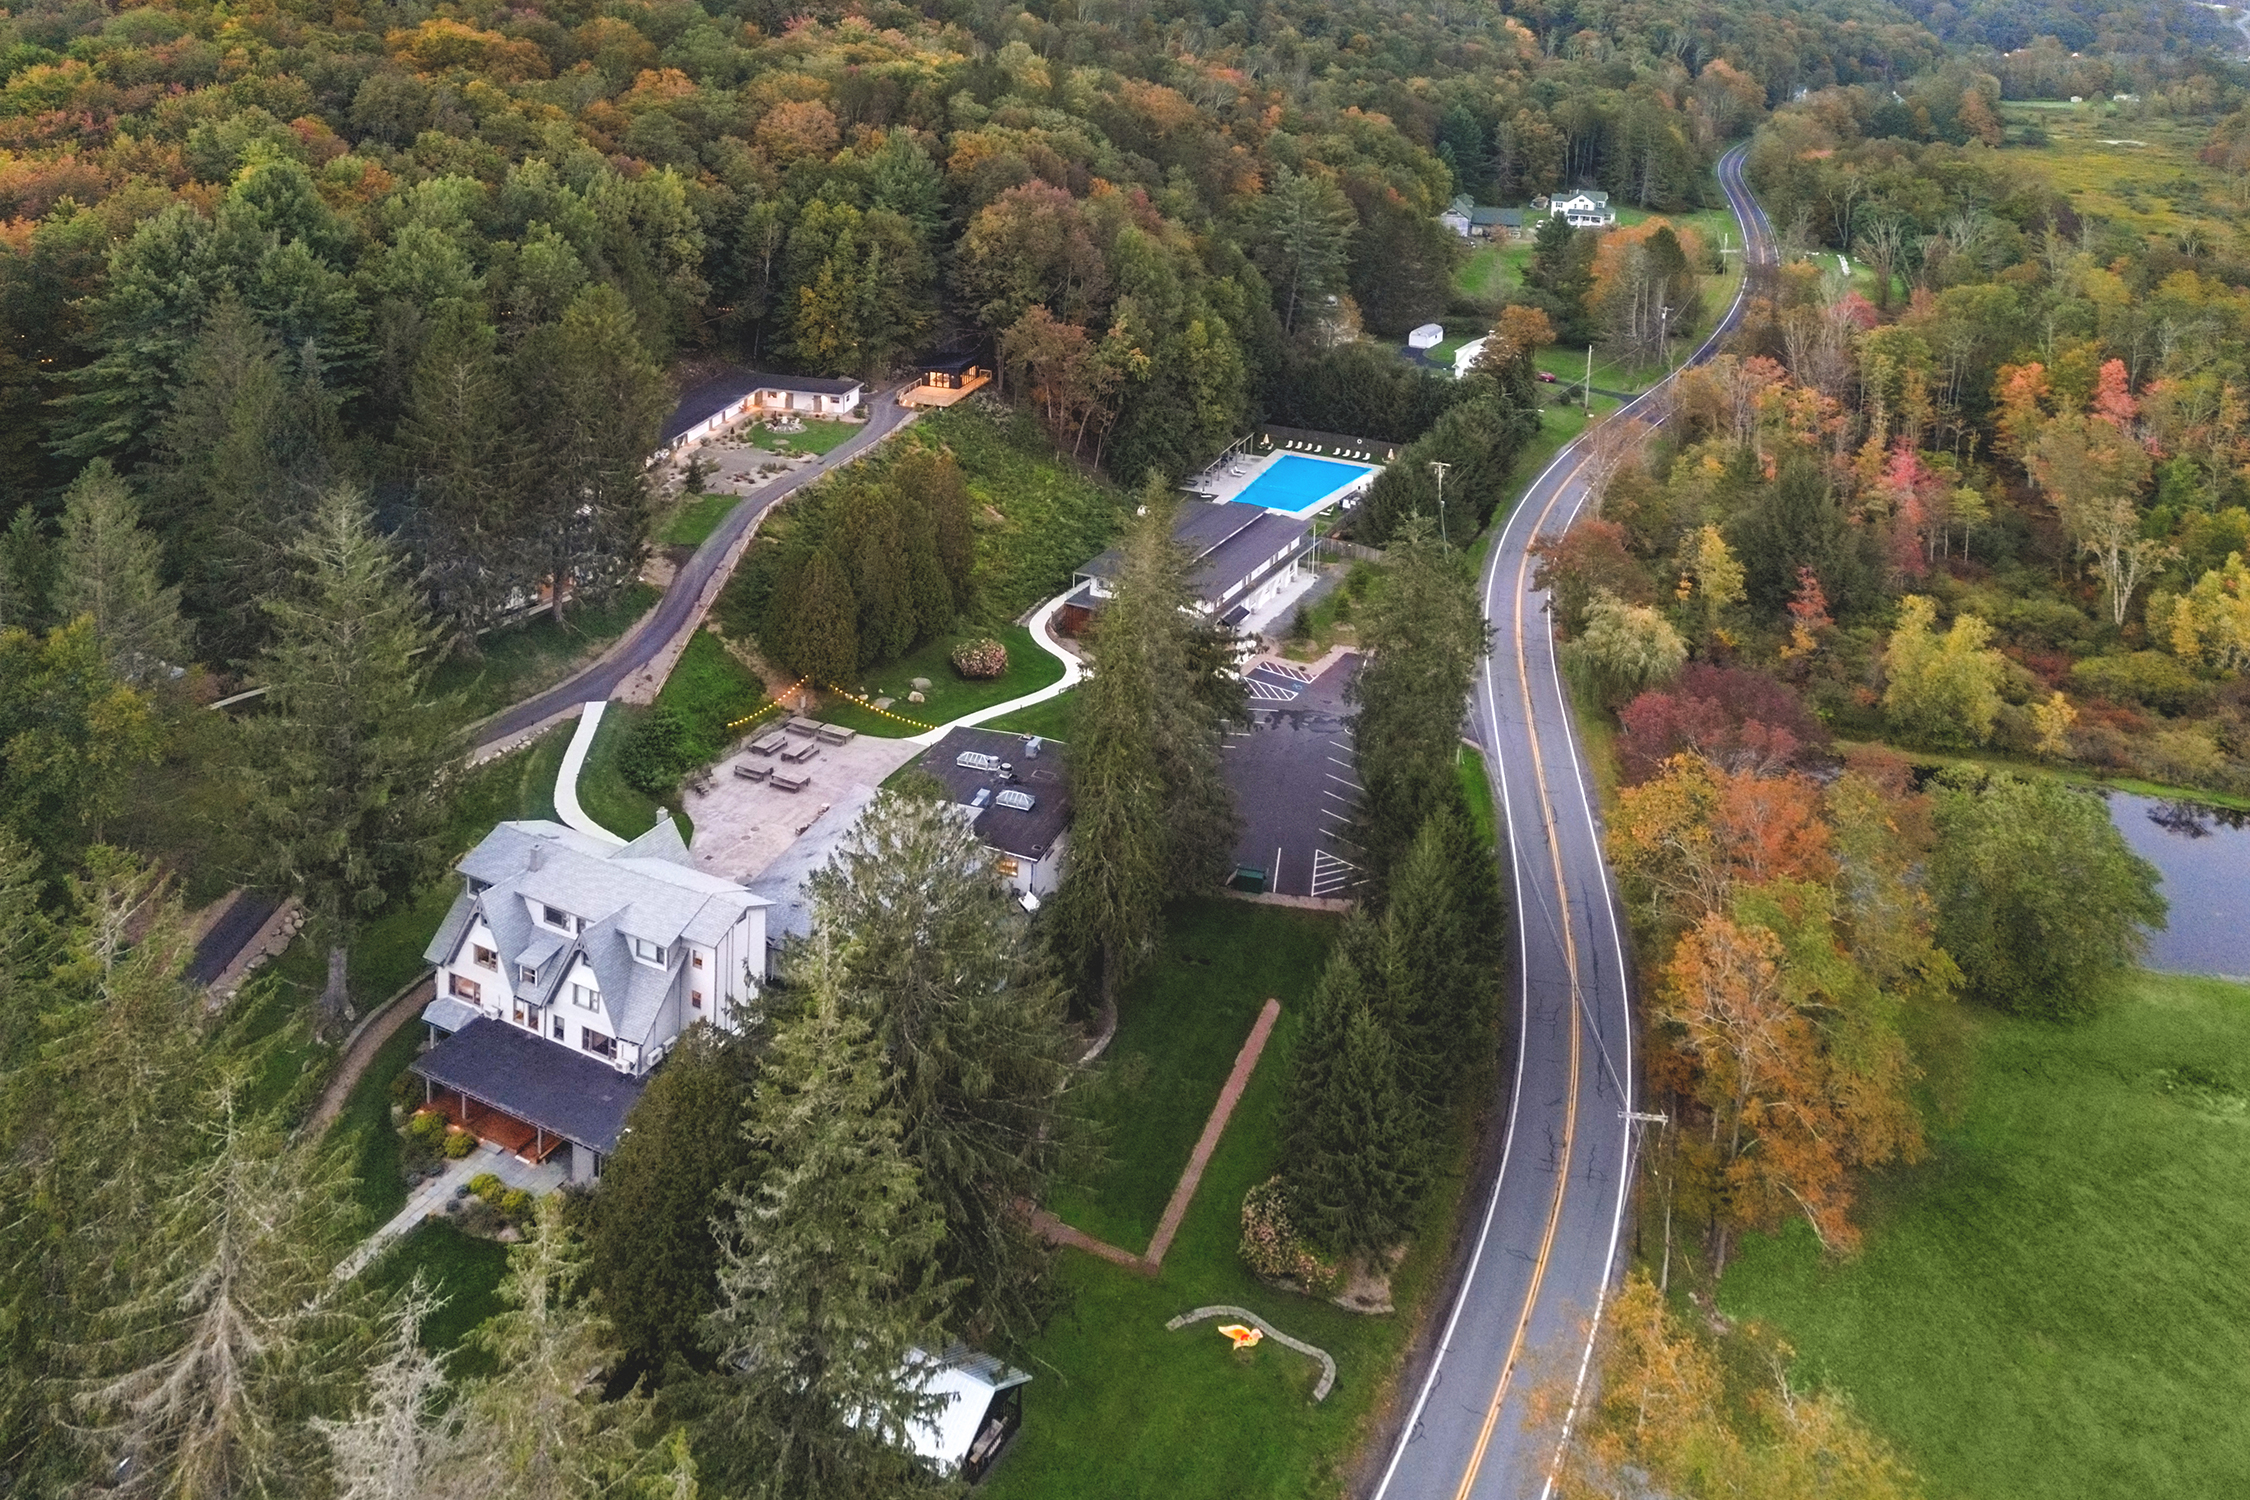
x=2204 y=855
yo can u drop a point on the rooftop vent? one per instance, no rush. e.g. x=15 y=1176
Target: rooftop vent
x=1031 y=747
x=982 y=797
x=977 y=760
x=1020 y=801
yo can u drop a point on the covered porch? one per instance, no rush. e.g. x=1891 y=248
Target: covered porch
x=493 y=1126
x=528 y=1096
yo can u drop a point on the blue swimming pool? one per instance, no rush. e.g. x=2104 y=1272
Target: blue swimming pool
x=1294 y=484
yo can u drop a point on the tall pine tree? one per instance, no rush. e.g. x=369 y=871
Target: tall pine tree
x=1359 y=1171
x=938 y=962
x=343 y=779
x=108 y=573
x=467 y=463
x=828 y=1278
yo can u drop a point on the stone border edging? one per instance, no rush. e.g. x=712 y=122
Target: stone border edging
x=395 y=1012
x=1327 y=1361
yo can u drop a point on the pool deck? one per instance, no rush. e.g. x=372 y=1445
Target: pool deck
x=1222 y=482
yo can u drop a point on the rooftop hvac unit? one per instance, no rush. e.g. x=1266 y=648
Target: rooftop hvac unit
x=1032 y=746
x=1020 y=801
x=983 y=796
x=977 y=760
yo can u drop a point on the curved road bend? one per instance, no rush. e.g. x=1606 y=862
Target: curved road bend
x=640 y=646
x=1547 y=1247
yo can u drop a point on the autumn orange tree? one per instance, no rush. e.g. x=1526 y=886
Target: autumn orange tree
x=1794 y=939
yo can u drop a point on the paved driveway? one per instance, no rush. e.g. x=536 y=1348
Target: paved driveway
x=1294 y=782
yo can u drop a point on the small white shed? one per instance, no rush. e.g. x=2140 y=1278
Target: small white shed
x=1428 y=336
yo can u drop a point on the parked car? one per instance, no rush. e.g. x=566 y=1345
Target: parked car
x=1547 y=377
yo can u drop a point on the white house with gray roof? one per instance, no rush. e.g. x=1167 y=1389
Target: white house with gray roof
x=605 y=954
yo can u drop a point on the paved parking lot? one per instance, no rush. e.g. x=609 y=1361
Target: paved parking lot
x=1294 y=782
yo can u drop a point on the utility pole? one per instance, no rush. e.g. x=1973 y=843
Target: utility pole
x=1664 y=334
x=1439 y=469
x=1588 y=392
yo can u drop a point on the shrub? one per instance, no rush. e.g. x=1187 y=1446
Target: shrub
x=427 y=1131
x=2147 y=677
x=656 y=752
x=980 y=660
x=1271 y=1246
x=459 y=1144
x=515 y=1205
x=487 y=1186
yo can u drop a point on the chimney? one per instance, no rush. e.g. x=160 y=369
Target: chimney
x=538 y=854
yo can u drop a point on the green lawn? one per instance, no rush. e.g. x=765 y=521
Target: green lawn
x=1178 y=1031
x=624 y=810
x=529 y=658
x=1491 y=271
x=950 y=695
x=712 y=690
x=1121 y=1408
x=1476 y=790
x=283 y=1067
x=1038 y=515
x=2057 y=1303
x=692 y=524
x=1050 y=719
x=461 y=1268
x=820 y=436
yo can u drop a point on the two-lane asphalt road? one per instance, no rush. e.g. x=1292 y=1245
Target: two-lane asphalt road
x=1546 y=1247
x=649 y=637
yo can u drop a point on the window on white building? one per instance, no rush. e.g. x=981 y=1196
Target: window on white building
x=486 y=958
x=585 y=996
x=648 y=952
x=555 y=916
x=529 y=974
x=466 y=989
x=595 y=1042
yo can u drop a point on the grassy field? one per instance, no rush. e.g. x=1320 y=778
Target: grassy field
x=624 y=810
x=2139 y=173
x=1121 y=1408
x=1491 y=271
x=1178 y=1031
x=692 y=524
x=712 y=690
x=1038 y=515
x=465 y=1271
x=950 y=695
x=1050 y=719
x=529 y=658
x=820 y=436
x=2075 y=775
x=2057 y=1303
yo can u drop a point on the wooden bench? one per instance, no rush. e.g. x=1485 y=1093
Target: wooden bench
x=750 y=772
x=837 y=734
x=769 y=744
x=803 y=726
x=799 y=754
x=791 y=781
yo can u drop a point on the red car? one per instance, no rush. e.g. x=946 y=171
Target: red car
x=1547 y=378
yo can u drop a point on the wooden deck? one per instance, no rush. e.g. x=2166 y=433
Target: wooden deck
x=488 y=1124
x=939 y=395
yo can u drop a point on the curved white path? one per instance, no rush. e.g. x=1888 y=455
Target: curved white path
x=1042 y=632
x=566 y=780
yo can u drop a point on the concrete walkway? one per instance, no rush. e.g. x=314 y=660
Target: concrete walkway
x=429 y=1198
x=1042 y=631
x=573 y=762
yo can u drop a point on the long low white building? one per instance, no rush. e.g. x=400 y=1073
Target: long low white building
x=709 y=407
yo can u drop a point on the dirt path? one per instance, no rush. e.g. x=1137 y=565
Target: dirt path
x=381 y=1028
x=1056 y=1232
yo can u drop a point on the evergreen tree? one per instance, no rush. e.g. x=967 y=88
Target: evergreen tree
x=1357 y=1175
x=1425 y=636
x=970 y=1021
x=243 y=451
x=390 y=1446
x=828 y=1277
x=70 y=735
x=1340 y=994
x=27 y=570
x=650 y=1246
x=931 y=484
x=108 y=573
x=927 y=588
x=819 y=630
x=591 y=403
x=539 y=1429
x=103 y=1071
x=1433 y=998
x=343 y=778
x=466 y=462
x=230 y=1318
x=868 y=523
x=1154 y=815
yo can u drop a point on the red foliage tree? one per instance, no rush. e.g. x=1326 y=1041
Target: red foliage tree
x=1737 y=719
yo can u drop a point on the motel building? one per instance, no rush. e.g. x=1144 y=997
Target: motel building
x=710 y=407
x=1243 y=558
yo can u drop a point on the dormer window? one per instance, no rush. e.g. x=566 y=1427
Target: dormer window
x=486 y=958
x=648 y=952
x=530 y=975
x=555 y=916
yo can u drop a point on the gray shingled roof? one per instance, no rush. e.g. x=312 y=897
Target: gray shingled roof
x=563 y=1092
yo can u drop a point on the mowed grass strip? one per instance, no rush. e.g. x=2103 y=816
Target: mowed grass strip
x=1178 y=1031
x=514 y=663
x=2057 y=1303
x=692 y=524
